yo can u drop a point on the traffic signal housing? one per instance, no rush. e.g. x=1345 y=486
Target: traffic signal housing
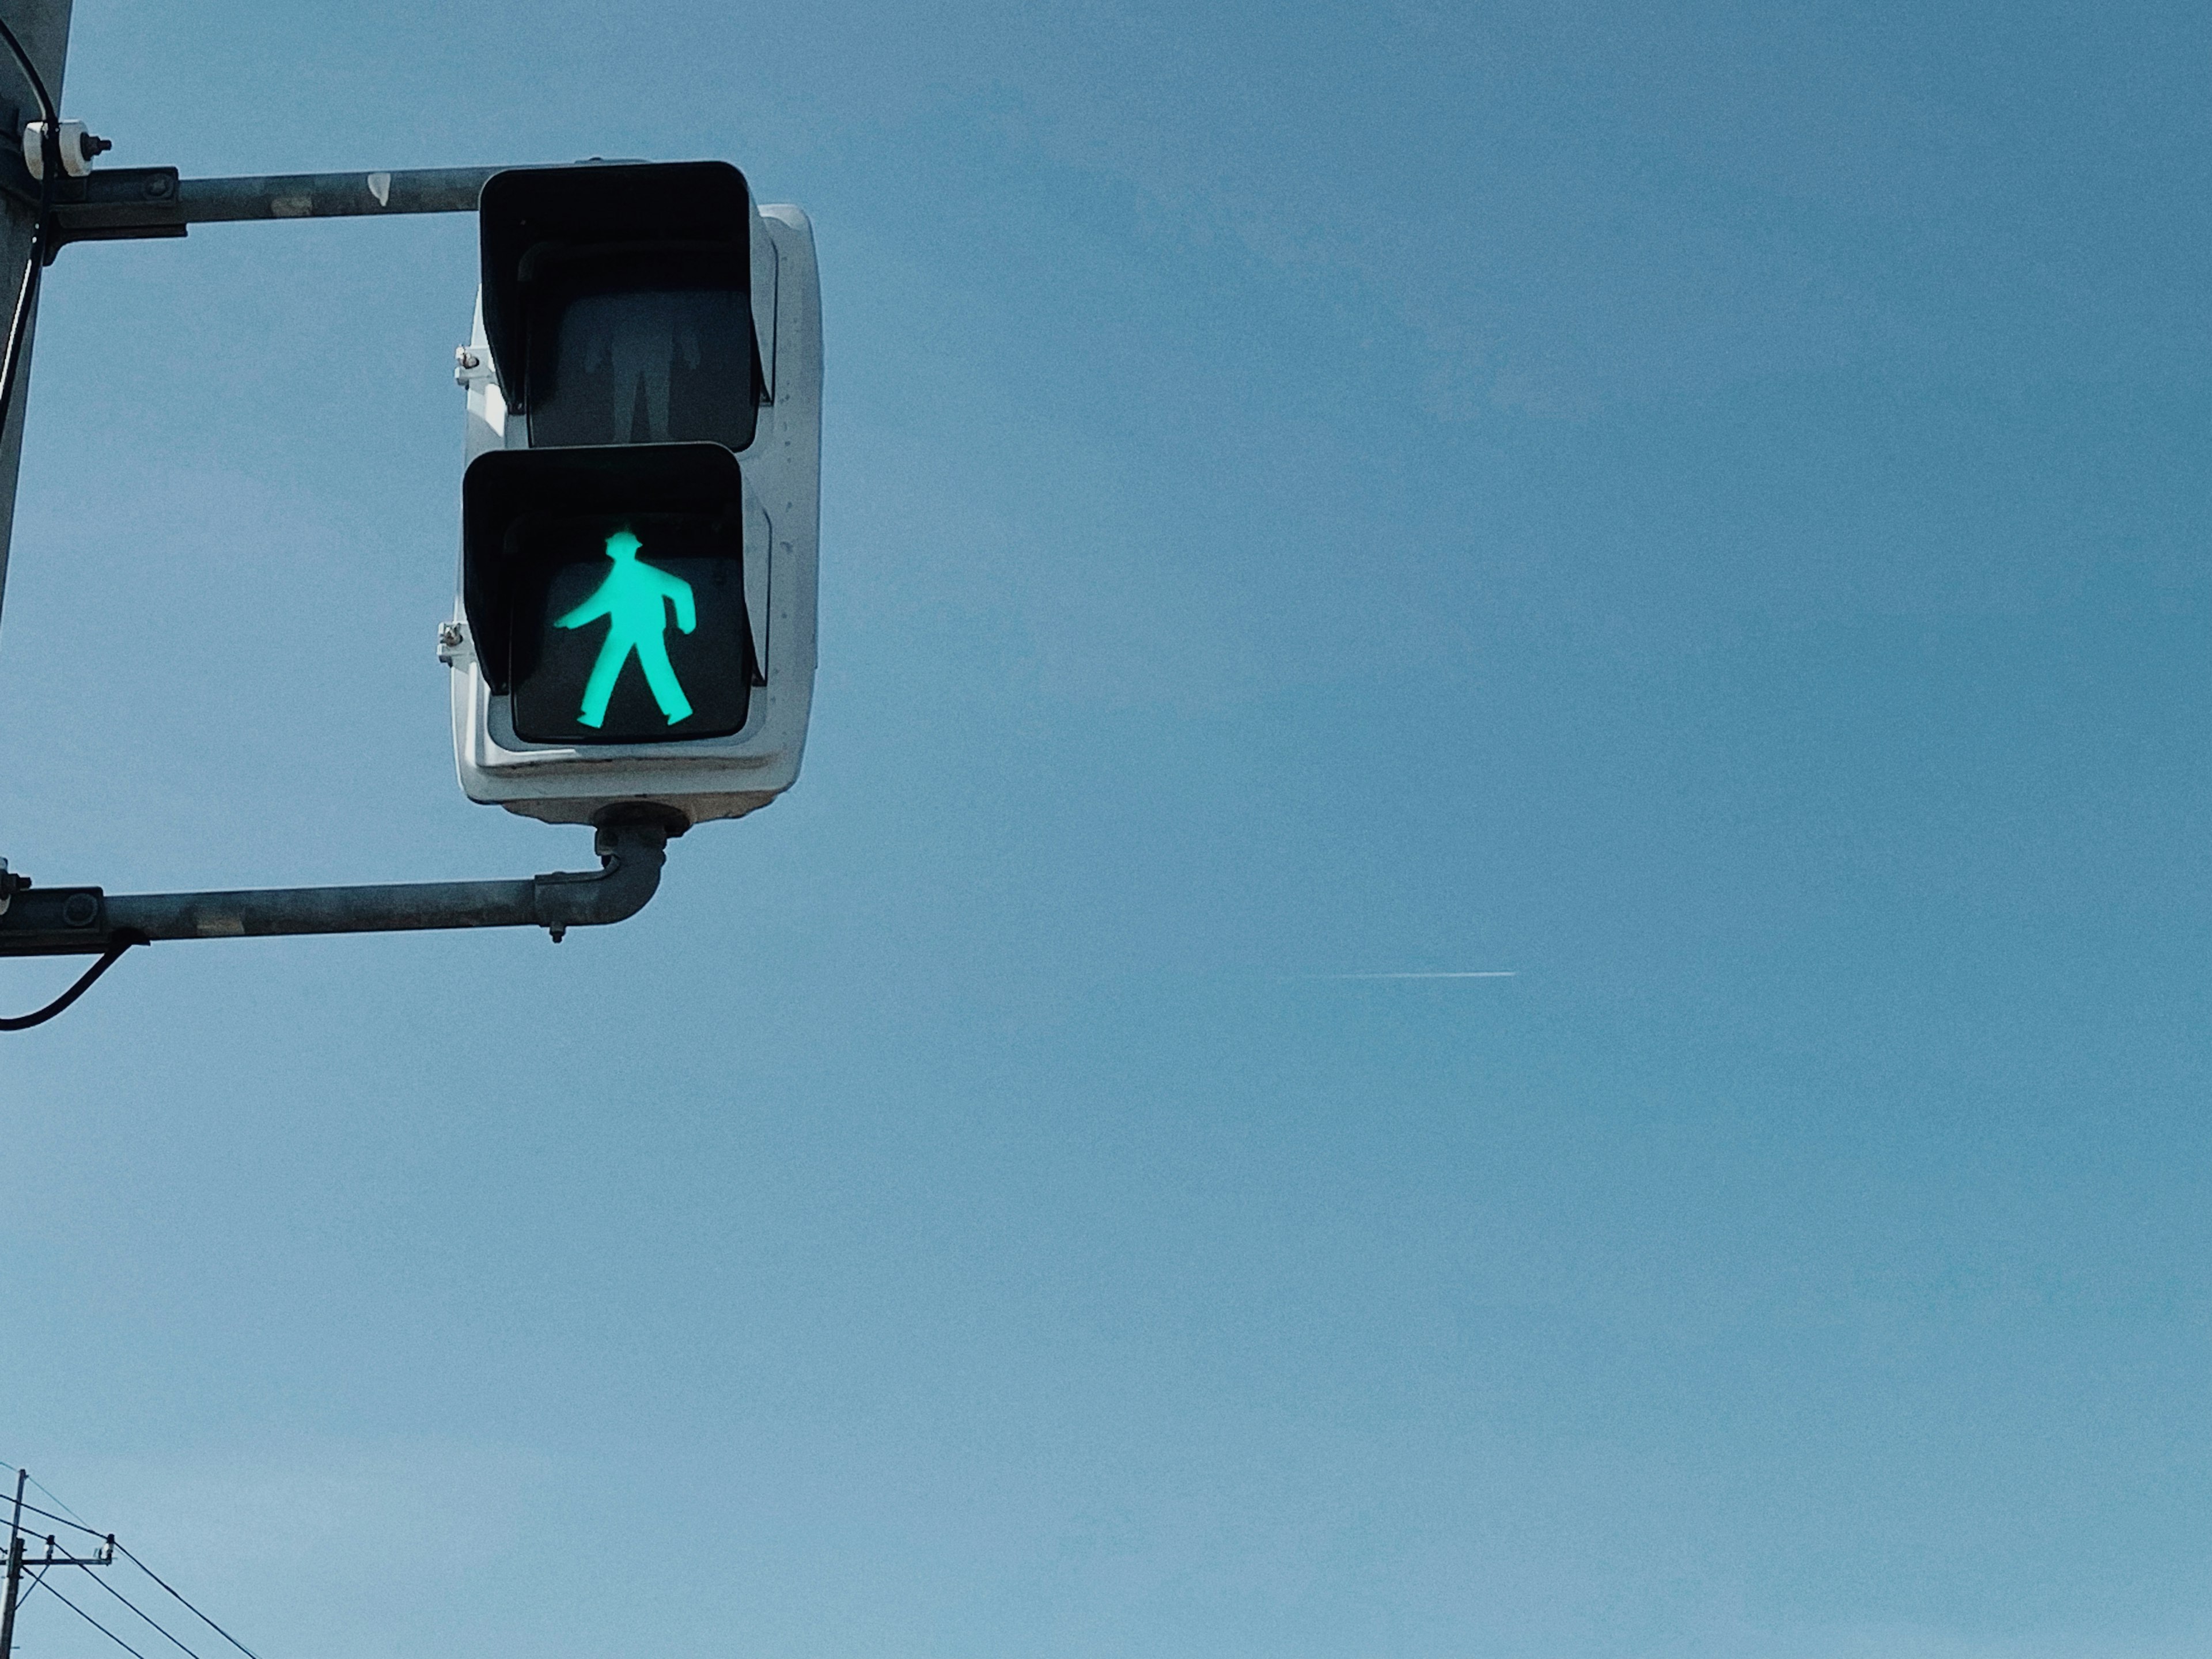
x=634 y=620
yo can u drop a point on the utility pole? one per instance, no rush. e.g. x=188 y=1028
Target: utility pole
x=15 y=1561
x=43 y=27
x=13 y=1590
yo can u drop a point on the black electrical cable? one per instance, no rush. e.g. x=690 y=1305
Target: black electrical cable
x=19 y=326
x=31 y=71
x=35 y=1583
x=11 y=364
x=24 y=1022
x=96 y=1625
x=143 y=1616
x=32 y=1509
x=188 y=1606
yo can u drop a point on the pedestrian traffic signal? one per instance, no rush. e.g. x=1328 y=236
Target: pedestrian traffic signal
x=606 y=592
x=635 y=618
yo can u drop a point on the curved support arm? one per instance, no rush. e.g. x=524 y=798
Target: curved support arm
x=630 y=858
x=83 y=920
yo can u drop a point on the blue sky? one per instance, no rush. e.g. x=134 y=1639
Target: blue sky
x=1703 y=508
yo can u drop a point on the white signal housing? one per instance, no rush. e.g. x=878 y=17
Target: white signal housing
x=708 y=778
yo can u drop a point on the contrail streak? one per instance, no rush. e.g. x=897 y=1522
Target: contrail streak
x=1478 y=973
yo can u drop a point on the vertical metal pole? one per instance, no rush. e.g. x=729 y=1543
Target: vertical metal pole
x=43 y=27
x=15 y=1568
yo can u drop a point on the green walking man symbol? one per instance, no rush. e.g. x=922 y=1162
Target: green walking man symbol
x=633 y=598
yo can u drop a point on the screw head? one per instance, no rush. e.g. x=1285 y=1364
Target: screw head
x=79 y=909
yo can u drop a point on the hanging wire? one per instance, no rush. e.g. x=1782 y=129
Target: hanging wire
x=96 y=1625
x=19 y=326
x=187 y=1606
x=11 y=364
x=35 y=1583
x=31 y=72
x=144 y=1616
x=25 y=1022
x=56 y=1497
x=48 y=1515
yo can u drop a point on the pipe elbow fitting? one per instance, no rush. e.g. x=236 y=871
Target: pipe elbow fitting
x=630 y=859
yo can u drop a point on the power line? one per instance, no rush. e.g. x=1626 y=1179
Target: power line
x=52 y=1493
x=32 y=1509
x=141 y=1612
x=71 y=1518
x=96 y=1625
x=188 y=1606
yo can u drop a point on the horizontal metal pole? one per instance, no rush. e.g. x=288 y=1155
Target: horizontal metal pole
x=84 y=920
x=265 y=910
x=123 y=204
x=331 y=195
